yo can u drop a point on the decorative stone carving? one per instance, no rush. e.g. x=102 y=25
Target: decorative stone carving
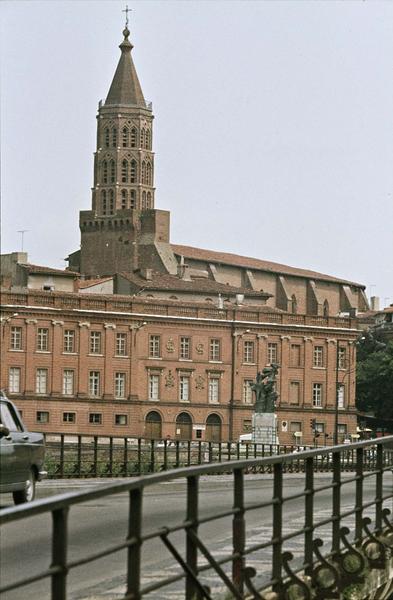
x=169 y=380
x=57 y=322
x=200 y=382
x=109 y=326
x=84 y=324
x=199 y=348
x=170 y=346
x=31 y=321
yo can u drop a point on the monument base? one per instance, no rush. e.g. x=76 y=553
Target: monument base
x=264 y=428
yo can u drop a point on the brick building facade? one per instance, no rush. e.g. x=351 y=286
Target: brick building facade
x=121 y=366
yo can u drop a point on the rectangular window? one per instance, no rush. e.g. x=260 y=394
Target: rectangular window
x=68 y=382
x=294 y=392
x=317 y=394
x=185 y=348
x=342 y=429
x=120 y=385
x=295 y=355
x=319 y=427
x=42 y=339
x=95 y=342
x=342 y=357
x=16 y=338
x=69 y=417
x=120 y=419
x=14 y=380
x=95 y=418
x=154 y=386
x=214 y=390
x=341 y=395
x=247 y=425
x=121 y=344
x=215 y=349
x=184 y=388
x=272 y=354
x=295 y=426
x=155 y=346
x=94 y=383
x=41 y=381
x=247 y=391
x=42 y=416
x=318 y=356
x=69 y=340
x=248 y=352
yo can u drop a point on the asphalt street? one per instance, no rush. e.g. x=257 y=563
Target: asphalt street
x=25 y=546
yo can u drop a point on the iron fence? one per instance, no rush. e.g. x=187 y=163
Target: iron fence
x=69 y=456
x=354 y=554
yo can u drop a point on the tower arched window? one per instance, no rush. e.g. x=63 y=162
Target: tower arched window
x=132 y=199
x=293 y=304
x=105 y=172
x=125 y=137
x=148 y=173
x=143 y=172
x=113 y=171
x=147 y=139
x=148 y=205
x=111 y=202
x=124 y=171
x=142 y=138
x=133 y=172
x=133 y=137
x=124 y=196
x=104 y=206
x=107 y=137
x=114 y=137
x=143 y=200
x=326 y=308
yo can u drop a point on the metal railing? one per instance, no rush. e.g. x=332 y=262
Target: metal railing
x=70 y=456
x=361 y=535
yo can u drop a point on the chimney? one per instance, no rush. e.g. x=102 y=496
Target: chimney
x=182 y=270
x=147 y=274
x=374 y=303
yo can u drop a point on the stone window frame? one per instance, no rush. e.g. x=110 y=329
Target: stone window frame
x=16 y=338
x=12 y=381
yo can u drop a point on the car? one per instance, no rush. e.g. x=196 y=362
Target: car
x=22 y=454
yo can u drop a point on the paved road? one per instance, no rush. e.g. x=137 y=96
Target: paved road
x=25 y=546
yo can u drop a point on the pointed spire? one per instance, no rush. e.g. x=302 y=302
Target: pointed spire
x=125 y=87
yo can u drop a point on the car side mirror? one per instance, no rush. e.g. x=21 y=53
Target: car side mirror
x=4 y=431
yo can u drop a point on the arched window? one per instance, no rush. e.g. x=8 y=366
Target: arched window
x=213 y=428
x=326 y=308
x=143 y=200
x=293 y=304
x=113 y=171
x=148 y=173
x=107 y=137
x=133 y=137
x=153 y=425
x=124 y=195
x=114 y=137
x=104 y=206
x=124 y=171
x=142 y=138
x=111 y=202
x=184 y=426
x=148 y=202
x=133 y=172
x=105 y=172
x=132 y=199
x=147 y=139
x=143 y=172
x=125 y=137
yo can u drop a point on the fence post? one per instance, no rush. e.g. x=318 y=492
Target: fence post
x=79 y=456
x=359 y=496
x=336 y=485
x=59 y=554
x=309 y=514
x=61 y=469
x=192 y=592
x=238 y=531
x=111 y=456
x=277 y=528
x=379 y=489
x=125 y=457
x=134 y=551
x=95 y=460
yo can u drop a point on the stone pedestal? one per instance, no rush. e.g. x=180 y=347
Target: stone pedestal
x=264 y=428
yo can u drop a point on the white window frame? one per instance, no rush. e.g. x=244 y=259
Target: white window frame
x=42 y=412
x=93 y=420
x=317 y=395
x=42 y=339
x=247 y=391
x=214 y=390
x=120 y=385
x=72 y=416
x=69 y=341
x=155 y=346
x=154 y=386
x=16 y=338
x=184 y=388
x=41 y=381
x=68 y=382
x=117 y=419
x=248 y=352
x=14 y=378
x=94 y=384
x=272 y=353
x=95 y=342
x=215 y=350
x=341 y=395
x=121 y=344
x=342 y=357
x=185 y=348
x=318 y=356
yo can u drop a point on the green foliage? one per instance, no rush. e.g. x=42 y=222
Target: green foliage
x=374 y=381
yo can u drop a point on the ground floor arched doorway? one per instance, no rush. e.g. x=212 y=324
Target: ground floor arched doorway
x=153 y=425
x=213 y=428
x=183 y=426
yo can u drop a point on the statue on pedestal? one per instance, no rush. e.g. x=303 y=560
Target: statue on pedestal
x=265 y=394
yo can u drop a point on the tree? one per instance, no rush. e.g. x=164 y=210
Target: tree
x=374 y=379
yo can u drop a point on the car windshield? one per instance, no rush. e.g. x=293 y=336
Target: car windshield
x=8 y=418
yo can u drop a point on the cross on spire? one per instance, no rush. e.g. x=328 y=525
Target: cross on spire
x=127 y=10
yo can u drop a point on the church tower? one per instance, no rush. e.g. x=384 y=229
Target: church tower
x=123 y=231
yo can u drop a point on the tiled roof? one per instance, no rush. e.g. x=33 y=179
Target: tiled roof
x=48 y=270
x=252 y=263
x=163 y=281
x=85 y=283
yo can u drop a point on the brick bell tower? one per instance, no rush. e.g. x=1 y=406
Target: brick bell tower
x=123 y=231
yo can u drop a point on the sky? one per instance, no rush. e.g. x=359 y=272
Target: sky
x=273 y=127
